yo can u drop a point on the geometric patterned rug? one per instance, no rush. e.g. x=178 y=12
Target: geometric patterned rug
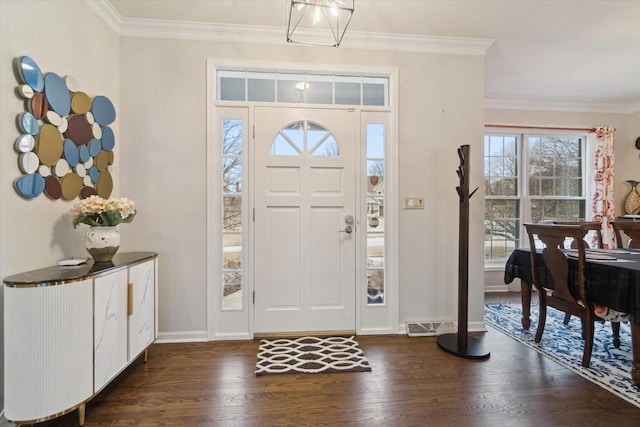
x=310 y=355
x=610 y=367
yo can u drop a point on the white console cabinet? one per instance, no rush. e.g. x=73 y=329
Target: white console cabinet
x=70 y=330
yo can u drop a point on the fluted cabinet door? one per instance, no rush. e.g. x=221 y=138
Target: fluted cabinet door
x=142 y=280
x=48 y=349
x=110 y=327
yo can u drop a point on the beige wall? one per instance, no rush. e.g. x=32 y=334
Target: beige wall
x=67 y=38
x=163 y=115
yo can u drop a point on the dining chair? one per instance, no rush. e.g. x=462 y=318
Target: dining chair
x=587 y=226
x=631 y=229
x=595 y=226
x=559 y=289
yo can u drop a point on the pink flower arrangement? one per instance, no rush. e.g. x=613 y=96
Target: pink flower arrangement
x=98 y=212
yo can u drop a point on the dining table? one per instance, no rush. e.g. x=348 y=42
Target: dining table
x=613 y=280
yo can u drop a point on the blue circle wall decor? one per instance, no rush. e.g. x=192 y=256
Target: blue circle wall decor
x=62 y=133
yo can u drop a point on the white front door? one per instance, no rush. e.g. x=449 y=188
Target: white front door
x=305 y=231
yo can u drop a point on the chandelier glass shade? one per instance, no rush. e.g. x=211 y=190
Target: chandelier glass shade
x=319 y=22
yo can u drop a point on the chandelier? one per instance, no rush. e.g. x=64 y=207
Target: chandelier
x=318 y=22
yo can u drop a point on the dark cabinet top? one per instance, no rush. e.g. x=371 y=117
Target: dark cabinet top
x=59 y=275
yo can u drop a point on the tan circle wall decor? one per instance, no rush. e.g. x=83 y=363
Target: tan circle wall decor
x=64 y=133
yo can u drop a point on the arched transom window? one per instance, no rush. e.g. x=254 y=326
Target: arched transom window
x=305 y=136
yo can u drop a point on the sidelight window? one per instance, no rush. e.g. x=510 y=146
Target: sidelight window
x=232 y=192
x=375 y=139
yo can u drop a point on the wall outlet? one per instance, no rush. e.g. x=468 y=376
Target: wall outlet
x=413 y=202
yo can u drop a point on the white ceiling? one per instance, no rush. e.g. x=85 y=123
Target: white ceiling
x=555 y=54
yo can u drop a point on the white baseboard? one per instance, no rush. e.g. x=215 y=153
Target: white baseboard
x=185 y=336
x=376 y=331
x=233 y=337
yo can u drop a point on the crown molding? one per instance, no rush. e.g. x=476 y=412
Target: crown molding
x=578 y=106
x=107 y=12
x=417 y=43
x=185 y=30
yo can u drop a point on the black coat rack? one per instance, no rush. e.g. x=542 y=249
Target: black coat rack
x=460 y=344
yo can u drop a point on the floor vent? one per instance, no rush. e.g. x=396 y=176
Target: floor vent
x=429 y=329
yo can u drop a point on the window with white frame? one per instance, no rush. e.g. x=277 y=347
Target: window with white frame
x=232 y=230
x=302 y=88
x=530 y=178
x=375 y=137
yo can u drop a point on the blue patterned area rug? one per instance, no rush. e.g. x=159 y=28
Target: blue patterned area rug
x=310 y=355
x=610 y=367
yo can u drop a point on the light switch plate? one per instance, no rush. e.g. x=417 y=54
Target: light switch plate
x=413 y=202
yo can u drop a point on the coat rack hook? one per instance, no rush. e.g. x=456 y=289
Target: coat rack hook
x=473 y=192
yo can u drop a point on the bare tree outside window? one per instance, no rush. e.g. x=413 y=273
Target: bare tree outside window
x=554 y=175
x=232 y=188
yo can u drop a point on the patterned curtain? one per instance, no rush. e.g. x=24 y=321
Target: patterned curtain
x=603 y=207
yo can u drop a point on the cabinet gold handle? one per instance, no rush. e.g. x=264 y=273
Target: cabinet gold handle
x=130 y=299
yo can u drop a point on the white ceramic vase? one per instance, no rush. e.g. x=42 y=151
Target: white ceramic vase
x=102 y=243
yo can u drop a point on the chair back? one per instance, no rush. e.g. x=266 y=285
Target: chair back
x=631 y=229
x=587 y=226
x=555 y=261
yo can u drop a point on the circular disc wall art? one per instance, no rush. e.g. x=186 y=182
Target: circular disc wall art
x=65 y=146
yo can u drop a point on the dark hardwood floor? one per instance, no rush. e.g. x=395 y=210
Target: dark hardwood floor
x=413 y=383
